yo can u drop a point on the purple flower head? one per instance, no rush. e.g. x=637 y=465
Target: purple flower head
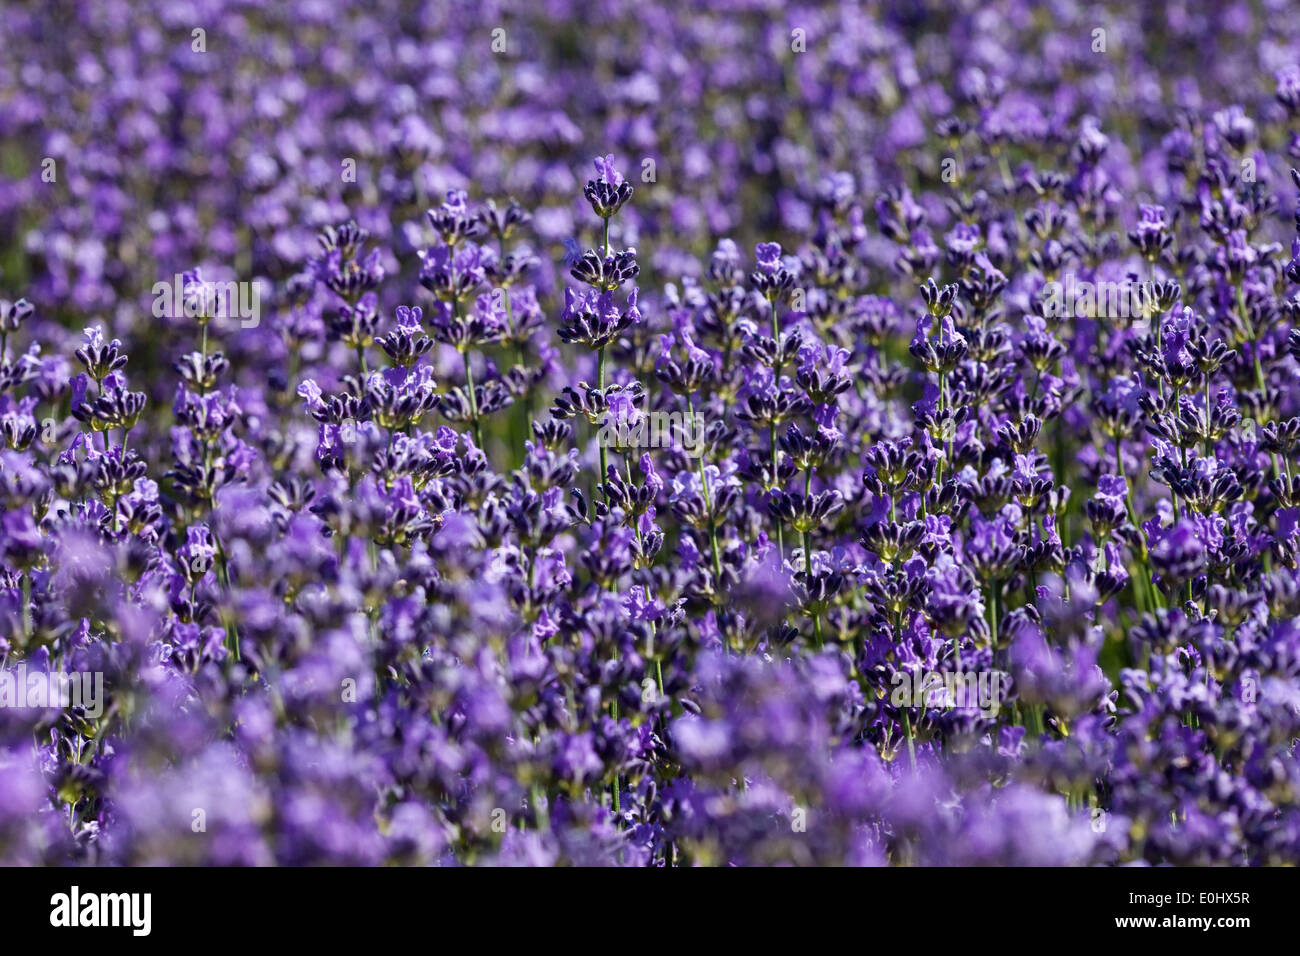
x=767 y=255
x=408 y=317
x=609 y=191
x=606 y=171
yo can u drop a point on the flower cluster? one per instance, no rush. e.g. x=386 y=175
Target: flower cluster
x=953 y=358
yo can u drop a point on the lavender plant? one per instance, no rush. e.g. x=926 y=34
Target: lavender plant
x=888 y=457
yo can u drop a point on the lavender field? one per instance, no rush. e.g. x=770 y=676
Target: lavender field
x=617 y=433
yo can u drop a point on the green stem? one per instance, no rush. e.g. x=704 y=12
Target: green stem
x=1143 y=596
x=618 y=780
x=28 y=628
x=771 y=428
x=473 y=401
x=771 y=434
x=708 y=505
x=1208 y=451
x=807 y=562
x=995 y=595
x=604 y=453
